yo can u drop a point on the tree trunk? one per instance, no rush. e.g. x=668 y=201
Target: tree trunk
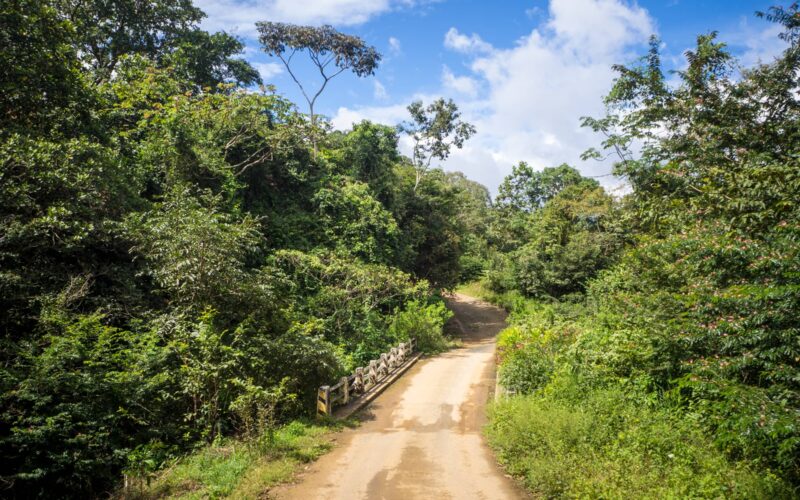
x=313 y=128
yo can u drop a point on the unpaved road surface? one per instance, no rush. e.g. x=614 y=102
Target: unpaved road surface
x=421 y=439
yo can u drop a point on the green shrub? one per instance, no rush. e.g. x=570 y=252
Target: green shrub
x=424 y=323
x=231 y=468
x=584 y=442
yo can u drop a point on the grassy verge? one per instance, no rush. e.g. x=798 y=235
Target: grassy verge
x=575 y=430
x=602 y=443
x=509 y=300
x=473 y=289
x=240 y=469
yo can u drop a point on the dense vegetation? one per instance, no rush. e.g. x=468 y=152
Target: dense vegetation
x=184 y=257
x=655 y=340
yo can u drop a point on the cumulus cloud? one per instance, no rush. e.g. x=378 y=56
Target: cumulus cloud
x=268 y=70
x=459 y=84
x=240 y=16
x=526 y=99
x=539 y=88
x=389 y=115
x=459 y=42
x=598 y=28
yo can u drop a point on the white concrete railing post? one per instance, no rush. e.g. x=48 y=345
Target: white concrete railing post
x=363 y=378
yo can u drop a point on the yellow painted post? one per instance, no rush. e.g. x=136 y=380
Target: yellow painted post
x=324 y=400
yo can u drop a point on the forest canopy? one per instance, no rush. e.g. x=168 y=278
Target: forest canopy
x=186 y=256
x=175 y=258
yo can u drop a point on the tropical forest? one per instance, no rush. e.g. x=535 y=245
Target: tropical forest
x=191 y=247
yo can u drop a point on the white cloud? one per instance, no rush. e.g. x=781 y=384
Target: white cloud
x=539 y=89
x=459 y=42
x=240 y=16
x=759 y=45
x=389 y=115
x=395 y=47
x=268 y=70
x=460 y=84
x=379 y=91
x=598 y=28
x=529 y=97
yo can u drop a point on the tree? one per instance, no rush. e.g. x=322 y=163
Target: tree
x=355 y=223
x=574 y=236
x=432 y=230
x=435 y=129
x=41 y=86
x=369 y=153
x=106 y=31
x=528 y=190
x=195 y=251
x=325 y=46
x=207 y=60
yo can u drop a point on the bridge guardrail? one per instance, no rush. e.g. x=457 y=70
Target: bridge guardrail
x=363 y=379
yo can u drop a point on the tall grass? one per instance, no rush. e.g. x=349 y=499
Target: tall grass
x=568 y=442
x=575 y=430
x=239 y=469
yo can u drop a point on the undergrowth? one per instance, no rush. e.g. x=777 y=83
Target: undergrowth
x=575 y=428
x=239 y=469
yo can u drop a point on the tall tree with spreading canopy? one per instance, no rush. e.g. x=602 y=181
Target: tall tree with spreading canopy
x=164 y=31
x=435 y=129
x=325 y=47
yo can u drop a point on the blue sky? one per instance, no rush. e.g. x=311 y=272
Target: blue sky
x=523 y=72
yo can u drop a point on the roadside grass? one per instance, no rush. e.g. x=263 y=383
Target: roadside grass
x=601 y=443
x=477 y=289
x=575 y=430
x=473 y=289
x=240 y=469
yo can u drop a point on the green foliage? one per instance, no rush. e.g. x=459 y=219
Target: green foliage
x=347 y=302
x=432 y=229
x=356 y=224
x=164 y=31
x=177 y=264
x=369 y=154
x=347 y=51
x=587 y=423
x=207 y=60
x=238 y=468
x=527 y=190
x=424 y=323
x=41 y=86
x=195 y=252
x=705 y=297
x=324 y=45
x=435 y=129
x=530 y=349
x=604 y=443
x=563 y=229
x=689 y=331
x=91 y=391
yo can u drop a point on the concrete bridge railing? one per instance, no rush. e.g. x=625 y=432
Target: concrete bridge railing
x=364 y=379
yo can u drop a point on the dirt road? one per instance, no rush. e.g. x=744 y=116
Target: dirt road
x=421 y=439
